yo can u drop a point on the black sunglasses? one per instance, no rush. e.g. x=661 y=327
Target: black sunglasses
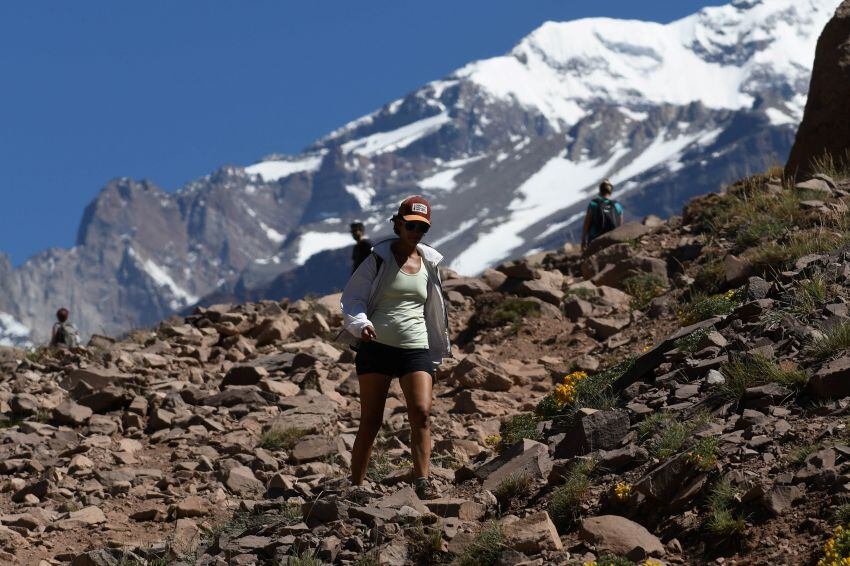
x=416 y=226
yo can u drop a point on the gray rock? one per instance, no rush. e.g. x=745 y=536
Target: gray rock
x=620 y=536
x=477 y=372
x=71 y=414
x=532 y=534
x=832 y=381
x=595 y=430
x=244 y=375
x=524 y=457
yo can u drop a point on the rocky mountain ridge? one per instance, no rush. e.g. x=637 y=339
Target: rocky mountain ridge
x=507 y=149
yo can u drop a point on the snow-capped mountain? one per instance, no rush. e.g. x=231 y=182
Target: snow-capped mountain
x=507 y=149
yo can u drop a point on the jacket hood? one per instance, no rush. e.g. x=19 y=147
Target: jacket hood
x=428 y=253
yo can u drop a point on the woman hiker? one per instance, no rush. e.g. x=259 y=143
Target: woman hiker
x=393 y=304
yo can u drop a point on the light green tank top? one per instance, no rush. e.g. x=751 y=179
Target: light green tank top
x=399 y=316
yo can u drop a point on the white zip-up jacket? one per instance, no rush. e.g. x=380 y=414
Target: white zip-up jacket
x=367 y=284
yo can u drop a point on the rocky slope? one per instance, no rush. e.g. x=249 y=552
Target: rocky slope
x=678 y=395
x=506 y=148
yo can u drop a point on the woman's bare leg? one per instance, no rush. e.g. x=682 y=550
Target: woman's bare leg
x=417 y=393
x=373 y=397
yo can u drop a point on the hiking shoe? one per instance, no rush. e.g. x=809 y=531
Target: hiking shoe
x=425 y=489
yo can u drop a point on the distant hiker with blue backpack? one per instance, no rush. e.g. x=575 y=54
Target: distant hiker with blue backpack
x=603 y=214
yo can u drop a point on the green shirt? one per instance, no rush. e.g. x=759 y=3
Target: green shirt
x=399 y=316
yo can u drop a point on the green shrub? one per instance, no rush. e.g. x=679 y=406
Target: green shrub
x=811 y=293
x=799 y=452
x=834 y=340
x=842 y=513
x=304 y=559
x=564 y=508
x=425 y=545
x=667 y=435
x=688 y=344
x=711 y=277
x=281 y=438
x=485 y=549
x=837 y=168
x=519 y=427
x=581 y=293
x=513 y=486
x=721 y=520
x=653 y=423
x=704 y=453
x=38 y=354
x=703 y=308
x=643 y=288
x=752 y=233
x=380 y=466
x=611 y=560
x=368 y=559
x=751 y=371
x=513 y=311
x=670 y=439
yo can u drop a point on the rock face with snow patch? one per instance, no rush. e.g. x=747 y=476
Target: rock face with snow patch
x=508 y=150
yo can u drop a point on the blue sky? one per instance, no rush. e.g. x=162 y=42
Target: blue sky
x=170 y=91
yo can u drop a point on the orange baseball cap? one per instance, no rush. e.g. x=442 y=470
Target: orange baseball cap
x=414 y=209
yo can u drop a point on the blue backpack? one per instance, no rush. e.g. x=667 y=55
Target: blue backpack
x=604 y=217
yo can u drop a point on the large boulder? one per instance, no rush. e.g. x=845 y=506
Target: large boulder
x=617 y=535
x=826 y=122
x=832 y=381
x=626 y=233
x=595 y=430
x=477 y=372
x=526 y=457
x=532 y=534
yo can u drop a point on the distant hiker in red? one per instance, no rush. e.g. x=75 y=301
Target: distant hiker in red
x=603 y=214
x=64 y=334
x=394 y=309
x=362 y=248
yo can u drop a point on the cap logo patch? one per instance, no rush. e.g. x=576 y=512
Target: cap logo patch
x=419 y=207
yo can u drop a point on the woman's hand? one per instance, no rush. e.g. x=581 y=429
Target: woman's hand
x=368 y=334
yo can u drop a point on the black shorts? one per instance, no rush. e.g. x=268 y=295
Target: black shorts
x=373 y=357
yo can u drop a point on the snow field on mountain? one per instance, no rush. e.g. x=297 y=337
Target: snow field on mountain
x=271 y=171
x=13 y=332
x=311 y=243
x=362 y=193
x=399 y=138
x=442 y=181
x=180 y=296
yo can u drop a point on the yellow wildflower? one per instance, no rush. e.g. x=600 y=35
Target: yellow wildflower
x=836 y=551
x=651 y=562
x=492 y=440
x=566 y=392
x=623 y=490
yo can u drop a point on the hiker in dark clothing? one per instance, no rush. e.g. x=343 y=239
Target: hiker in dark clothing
x=603 y=214
x=64 y=334
x=362 y=248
